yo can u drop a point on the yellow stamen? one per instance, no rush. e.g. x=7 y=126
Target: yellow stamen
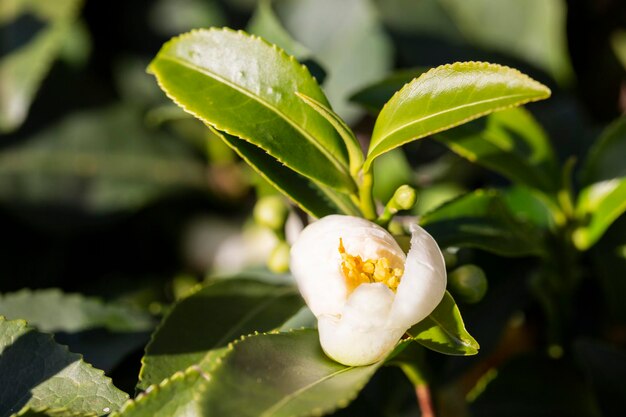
x=357 y=271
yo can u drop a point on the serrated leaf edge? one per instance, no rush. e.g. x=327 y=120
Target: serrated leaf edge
x=371 y=155
x=340 y=166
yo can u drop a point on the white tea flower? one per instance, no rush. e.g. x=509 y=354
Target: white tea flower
x=365 y=292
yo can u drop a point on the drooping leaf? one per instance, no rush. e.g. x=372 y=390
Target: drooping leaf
x=57 y=311
x=348 y=40
x=241 y=85
x=23 y=68
x=36 y=372
x=444 y=331
x=98 y=161
x=448 y=96
x=481 y=219
x=314 y=198
x=510 y=143
x=209 y=319
x=374 y=96
x=598 y=206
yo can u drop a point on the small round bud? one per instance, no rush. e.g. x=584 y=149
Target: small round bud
x=404 y=198
x=468 y=283
x=278 y=261
x=271 y=212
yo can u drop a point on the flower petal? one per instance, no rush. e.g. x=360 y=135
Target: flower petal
x=316 y=262
x=361 y=336
x=423 y=284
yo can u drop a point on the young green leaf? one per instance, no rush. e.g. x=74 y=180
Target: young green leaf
x=482 y=220
x=512 y=144
x=212 y=317
x=36 y=372
x=603 y=199
x=241 y=85
x=316 y=199
x=448 y=96
x=444 y=331
x=374 y=96
x=51 y=412
x=598 y=206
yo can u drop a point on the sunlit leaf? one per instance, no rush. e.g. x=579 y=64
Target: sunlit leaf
x=374 y=96
x=448 y=96
x=241 y=85
x=444 y=331
x=212 y=317
x=36 y=372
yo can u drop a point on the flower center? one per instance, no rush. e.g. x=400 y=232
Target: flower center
x=357 y=271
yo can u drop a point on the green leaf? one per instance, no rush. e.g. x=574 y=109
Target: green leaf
x=270 y=375
x=98 y=161
x=512 y=144
x=598 y=206
x=266 y=24
x=603 y=199
x=36 y=372
x=23 y=69
x=241 y=85
x=374 y=96
x=57 y=311
x=354 y=148
x=314 y=198
x=481 y=220
x=444 y=331
x=448 y=96
x=216 y=314
x=50 y=412
x=173 y=397
x=605 y=160
x=346 y=38
x=283 y=374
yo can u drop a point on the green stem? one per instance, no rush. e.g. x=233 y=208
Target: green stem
x=366 y=195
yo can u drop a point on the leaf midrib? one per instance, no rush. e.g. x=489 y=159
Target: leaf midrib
x=439 y=113
x=258 y=99
x=278 y=405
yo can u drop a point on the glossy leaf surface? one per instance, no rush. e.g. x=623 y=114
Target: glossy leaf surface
x=444 y=331
x=244 y=86
x=448 y=96
x=212 y=317
x=36 y=372
x=482 y=220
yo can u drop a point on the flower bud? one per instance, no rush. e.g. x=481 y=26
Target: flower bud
x=468 y=283
x=271 y=212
